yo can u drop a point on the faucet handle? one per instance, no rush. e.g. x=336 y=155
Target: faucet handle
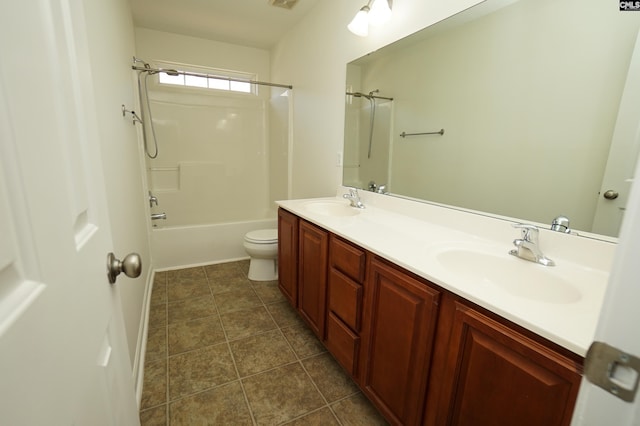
x=353 y=193
x=528 y=232
x=354 y=198
x=561 y=224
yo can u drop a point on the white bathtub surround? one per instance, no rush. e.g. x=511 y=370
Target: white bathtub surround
x=467 y=254
x=203 y=244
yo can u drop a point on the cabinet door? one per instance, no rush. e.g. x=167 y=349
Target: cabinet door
x=312 y=276
x=288 y=255
x=398 y=328
x=498 y=376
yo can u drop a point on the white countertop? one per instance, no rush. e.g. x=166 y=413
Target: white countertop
x=467 y=254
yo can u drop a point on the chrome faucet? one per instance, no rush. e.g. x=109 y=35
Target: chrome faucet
x=561 y=224
x=354 y=198
x=156 y=216
x=527 y=246
x=152 y=199
x=374 y=187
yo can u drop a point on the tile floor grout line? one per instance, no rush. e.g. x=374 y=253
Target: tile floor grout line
x=166 y=347
x=268 y=299
x=308 y=375
x=233 y=360
x=314 y=383
x=166 y=299
x=252 y=375
x=244 y=391
x=302 y=416
x=351 y=395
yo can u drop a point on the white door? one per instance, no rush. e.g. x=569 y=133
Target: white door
x=618 y=327
x=63 y=356
x=625 y=146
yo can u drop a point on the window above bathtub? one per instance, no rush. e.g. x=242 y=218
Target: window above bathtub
x=206 y=78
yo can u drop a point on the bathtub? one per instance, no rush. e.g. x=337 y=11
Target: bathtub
x=194 y=245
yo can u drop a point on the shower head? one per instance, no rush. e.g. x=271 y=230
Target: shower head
x=135 y=60
x=170 y=72
x=361 y=95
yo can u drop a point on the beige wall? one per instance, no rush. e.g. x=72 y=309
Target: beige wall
x=529 y=113
x=154 y=45
x=313 y=57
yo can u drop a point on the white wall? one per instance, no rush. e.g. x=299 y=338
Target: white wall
x=313 y=57
x=111 y=43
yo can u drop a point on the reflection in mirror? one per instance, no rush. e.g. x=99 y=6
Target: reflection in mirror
x=372 y=112
x=534 y=98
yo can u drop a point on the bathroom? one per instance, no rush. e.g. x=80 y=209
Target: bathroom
x=294 y=188
x=305 y=160
x=211 y=147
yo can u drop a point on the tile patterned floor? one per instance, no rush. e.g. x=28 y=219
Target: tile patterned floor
x=225 y=350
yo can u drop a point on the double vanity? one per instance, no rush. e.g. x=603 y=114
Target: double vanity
x=433 y=318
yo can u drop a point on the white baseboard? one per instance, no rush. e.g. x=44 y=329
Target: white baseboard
x=141 y=346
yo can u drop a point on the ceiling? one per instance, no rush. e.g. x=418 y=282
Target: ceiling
x=253 y=23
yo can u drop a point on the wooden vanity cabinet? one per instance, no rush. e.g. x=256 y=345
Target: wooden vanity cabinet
x=421 y=354
x=288 y=255
x=399 y=326
x=494 y=373
x=312 y=275
x=347 y=267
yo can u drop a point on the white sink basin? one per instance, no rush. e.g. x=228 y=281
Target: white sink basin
x=337 y=208
x=517 y=277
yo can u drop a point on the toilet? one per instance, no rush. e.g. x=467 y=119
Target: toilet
x=262 y=246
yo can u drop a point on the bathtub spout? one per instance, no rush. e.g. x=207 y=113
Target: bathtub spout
x=156 y=216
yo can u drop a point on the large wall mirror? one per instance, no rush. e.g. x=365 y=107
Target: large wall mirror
x=539 y=108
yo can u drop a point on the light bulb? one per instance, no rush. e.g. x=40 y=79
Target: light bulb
x=380 y=12
x=360 y=23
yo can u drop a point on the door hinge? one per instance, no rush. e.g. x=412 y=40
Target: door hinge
x=613 y=370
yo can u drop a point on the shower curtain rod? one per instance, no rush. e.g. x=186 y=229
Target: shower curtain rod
x=373 y=96
x=196 y=74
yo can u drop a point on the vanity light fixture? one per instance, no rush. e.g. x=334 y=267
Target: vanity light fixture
x=375 y=12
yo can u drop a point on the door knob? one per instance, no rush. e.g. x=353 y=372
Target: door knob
x=610 y=194
x=131 y=265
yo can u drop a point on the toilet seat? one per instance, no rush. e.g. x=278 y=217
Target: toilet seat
x=262 y=236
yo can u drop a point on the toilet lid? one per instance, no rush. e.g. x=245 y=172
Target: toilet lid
x=262 y=236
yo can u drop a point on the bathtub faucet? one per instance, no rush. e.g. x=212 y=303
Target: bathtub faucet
x=156 y=216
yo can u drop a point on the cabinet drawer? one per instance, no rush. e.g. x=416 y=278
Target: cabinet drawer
x=343 y=344
x=345 y=299
x=348 y=259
